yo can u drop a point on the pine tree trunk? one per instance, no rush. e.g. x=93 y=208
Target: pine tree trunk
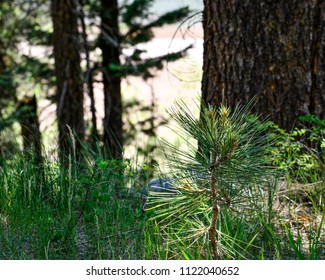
x=30 y=130
x=89 y=80
x=109 y=44
x=68 y=74
x=272 y=49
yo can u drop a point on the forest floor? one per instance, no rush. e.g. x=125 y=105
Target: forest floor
x=295 y=208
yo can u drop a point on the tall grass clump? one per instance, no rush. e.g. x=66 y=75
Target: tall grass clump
x=86 y=208
x=219 y=190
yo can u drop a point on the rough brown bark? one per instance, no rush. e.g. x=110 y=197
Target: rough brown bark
x=68 y=74
x=109 y=44
x=272 y=49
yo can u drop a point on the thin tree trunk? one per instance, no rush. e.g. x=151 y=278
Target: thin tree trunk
x=94 y=129
x=109 y=44
x=272 y=49
x=89 y=79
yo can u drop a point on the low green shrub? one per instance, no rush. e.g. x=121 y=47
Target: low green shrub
x=300 y=153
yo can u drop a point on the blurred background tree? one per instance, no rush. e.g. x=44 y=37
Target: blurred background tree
x=7 y=85
x=135 y=28
x=69 y=91
x=87 y=43
x=22 y=74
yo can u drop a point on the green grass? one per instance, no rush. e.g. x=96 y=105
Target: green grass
x=82 y=211
x=93 y=210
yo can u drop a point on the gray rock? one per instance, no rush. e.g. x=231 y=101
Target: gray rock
x=158 y=185
x=167 y=185
x=161 y=185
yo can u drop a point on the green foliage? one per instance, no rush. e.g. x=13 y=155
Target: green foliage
x=93 y=210
x=35 y=71
x=171 y=17
x=27 y=23
x=136 y=27
x=139 y=22
x=224 y=179
x=8 y=40
x=316 y=131
x=300 y=153
x=20 y=23
x=145 y=67
x=134 y=13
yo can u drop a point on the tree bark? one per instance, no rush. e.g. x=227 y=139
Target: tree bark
x=270 y=49
x=70 y=112
x=110 y=47
x=30 y=130
x=89 y=80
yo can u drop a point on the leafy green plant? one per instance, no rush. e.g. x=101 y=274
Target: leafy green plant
x=316 y=131
x=225 y=175
x=300 y=153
